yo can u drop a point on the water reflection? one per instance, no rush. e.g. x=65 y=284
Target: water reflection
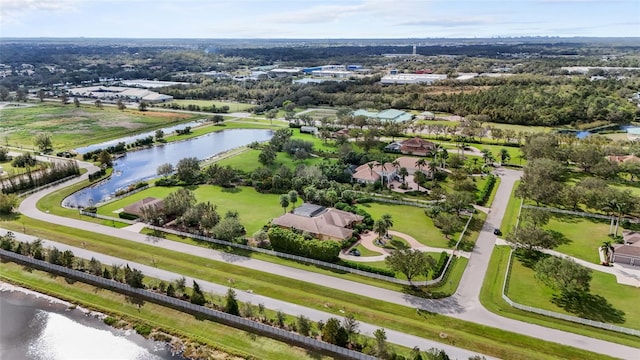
x=35 y=329
x=142 y=164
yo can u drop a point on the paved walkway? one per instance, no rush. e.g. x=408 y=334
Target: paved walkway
x=626 y=275
x=464 y=304
x=367 y=240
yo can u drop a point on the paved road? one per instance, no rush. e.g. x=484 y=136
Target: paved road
x=464 y=304
x=393 y=336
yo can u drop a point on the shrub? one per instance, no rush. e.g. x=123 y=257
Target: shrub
x=367 y=268
x=485 y=193
x=143 y=329
x=127 y=216
x=442 y=261
x=109 y=320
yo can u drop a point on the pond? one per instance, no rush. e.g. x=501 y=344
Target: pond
x=141 y=165
x=131 y=139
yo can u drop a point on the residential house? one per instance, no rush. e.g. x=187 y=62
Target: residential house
x=387 y=172
x=324 y=223
x=138 y=207
x=629 y=252
x=417 y=146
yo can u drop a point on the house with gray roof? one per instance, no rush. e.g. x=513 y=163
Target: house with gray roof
x=322 y=222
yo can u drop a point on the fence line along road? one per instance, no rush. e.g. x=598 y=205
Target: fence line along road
x=296 y=257
x=556 y=315
x=185 y=306
x=569 y=212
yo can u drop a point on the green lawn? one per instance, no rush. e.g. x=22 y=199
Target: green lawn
x=584 y=235
x=245 y=200
x=491 y=298
x=410 y=220
x=233 y=106
x=609 y=297
x=511 y=214
x=514 y=152
x=364 y=252
x=72 y=127
x=218 y=336
x=247 y=161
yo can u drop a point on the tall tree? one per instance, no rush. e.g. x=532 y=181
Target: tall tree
x=284 y=202
x=188 y=170
x=410 y=262
x=563 y=275
x=43 y=142
x=231 y=303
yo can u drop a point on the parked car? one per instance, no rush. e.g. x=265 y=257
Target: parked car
x=497 y=232
x=354 y=252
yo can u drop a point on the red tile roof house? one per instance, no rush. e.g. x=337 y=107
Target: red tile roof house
x=629 y=252
x=367 y=175
x=417 y=146
x=324 y=223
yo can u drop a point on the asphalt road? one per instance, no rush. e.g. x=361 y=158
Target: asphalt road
x=464 y=304
x=393 y=336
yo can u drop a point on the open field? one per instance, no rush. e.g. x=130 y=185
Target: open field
x=243 y=199
x=233 y=106
x=583 y=235
x=490 y=297
x=218 y=336
x=72 y=127
x=609 y=302
x=491 y=341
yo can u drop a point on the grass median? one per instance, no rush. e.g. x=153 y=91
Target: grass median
x=484 y=339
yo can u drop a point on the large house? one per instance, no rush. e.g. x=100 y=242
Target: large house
x=113 y=93
x=374 y=171
x=629 y=252
x=417 y=146
x=324 y=223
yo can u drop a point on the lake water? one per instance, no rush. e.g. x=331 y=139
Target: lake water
x=133 y=138
x=142 y=164
x=35 y=328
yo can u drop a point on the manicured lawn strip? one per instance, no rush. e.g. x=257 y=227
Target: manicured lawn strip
x=493 y=192
x=488 y=340
x=490 y=297
x=526 y=290
x=511 y=214
x=451 y=280
x=318 y=144
x=218 y=336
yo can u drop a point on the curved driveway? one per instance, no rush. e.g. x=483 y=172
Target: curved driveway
x=464 y=304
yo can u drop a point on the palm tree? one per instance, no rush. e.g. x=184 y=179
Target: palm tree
x=293 y=198
x=403 y=172
x=380 y=227
x=420 y=163
x=607 y=249
x=504 y=156
x=388 y=221
x=284 y=202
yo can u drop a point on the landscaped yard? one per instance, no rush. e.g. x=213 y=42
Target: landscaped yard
x=609 y=301
x=72 y=127
x=584 y=235
x=410 y=220
x=245 y=200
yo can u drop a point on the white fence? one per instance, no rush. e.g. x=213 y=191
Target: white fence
x=569 y=212
x=296 y=257
x=556 y=315
x=232 y=320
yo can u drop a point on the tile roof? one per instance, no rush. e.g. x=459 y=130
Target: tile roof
x=330 y=222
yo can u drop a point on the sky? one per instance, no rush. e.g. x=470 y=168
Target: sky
x=326 y=19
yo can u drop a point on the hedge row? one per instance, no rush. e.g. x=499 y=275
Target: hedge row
x=367 y=268
x=485 y=194
x=442 y=262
